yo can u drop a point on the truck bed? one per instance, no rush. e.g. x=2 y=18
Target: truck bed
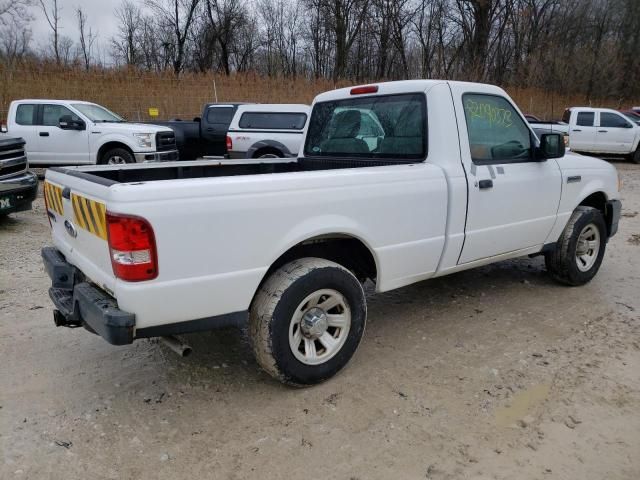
x=111 y=175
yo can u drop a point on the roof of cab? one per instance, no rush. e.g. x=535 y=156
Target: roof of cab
x=52 y=100
x=275 y=107
x=406 y=86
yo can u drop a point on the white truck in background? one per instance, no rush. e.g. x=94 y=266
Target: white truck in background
x=455 y=178
x=265 y=130
x=73 y=132
x=600 y=131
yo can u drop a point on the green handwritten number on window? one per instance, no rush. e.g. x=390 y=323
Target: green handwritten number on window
x=489 y=113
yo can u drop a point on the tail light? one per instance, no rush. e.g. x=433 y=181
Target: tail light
x=229 y=143
x=132 y=247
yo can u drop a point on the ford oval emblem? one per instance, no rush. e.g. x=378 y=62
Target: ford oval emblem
x=71 y=230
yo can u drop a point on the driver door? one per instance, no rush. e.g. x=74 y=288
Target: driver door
x=512 y=198
x=58 y=146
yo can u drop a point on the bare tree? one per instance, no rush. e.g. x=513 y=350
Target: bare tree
x=87 y=37
x=125 y=45
x=52 y=15
x=178 y=16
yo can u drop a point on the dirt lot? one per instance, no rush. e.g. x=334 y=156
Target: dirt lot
x=492 y=373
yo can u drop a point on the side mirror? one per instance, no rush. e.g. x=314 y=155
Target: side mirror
x=551 y=146
x=66 y=122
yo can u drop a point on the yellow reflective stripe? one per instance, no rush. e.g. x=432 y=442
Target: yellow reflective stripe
x=54 y=198
x=90 y=215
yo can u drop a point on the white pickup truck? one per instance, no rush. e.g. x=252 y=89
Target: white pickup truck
x=600 y=131
x=72 y=132
x=454 y=180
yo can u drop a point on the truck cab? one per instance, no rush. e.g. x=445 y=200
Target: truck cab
x=602 y=131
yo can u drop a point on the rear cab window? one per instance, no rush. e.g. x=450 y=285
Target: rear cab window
x=376 y=127
x=220 y=117
x=273 y=120
x=497 y=133
x=25 y=114
x=585 y=119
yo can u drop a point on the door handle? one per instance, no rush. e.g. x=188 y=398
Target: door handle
x=485 y=184
x=44 y=134
x=576 y=130
x=209 y=129
x=603 y=131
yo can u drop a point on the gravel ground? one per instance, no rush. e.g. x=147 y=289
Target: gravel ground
x=495 y=373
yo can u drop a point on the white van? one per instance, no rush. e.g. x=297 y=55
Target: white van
x=267 y=130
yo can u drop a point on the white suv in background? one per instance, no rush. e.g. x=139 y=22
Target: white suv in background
x=73 y=132
x=267 y=130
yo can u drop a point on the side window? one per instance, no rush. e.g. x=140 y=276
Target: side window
x=25 y=113
x=567 y=115
x=51 y=114
x=585 y=119
x=612 y=120
x=220 y=117
x=273 y=120
x=497 y=134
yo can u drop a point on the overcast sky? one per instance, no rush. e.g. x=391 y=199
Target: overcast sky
x=100 y=18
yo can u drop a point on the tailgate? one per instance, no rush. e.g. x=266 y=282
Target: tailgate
x=77 y=211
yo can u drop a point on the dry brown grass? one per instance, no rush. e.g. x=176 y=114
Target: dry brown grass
x=131 y=93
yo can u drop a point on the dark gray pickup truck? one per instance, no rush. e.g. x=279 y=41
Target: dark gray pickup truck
x=18 y=186
x=205 y=135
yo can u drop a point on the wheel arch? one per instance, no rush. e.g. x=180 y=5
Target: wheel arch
x=599 y=201
x=346 y=249
x=267 y=145
x=105 y=147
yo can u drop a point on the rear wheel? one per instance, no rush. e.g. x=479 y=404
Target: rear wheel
x=268 y=153
x=307 y=320
x=117 y=156
x=578 y=253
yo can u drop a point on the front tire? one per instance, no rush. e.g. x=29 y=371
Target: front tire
x=635 y=157
x=117 y=156
x=307 y=320
x=578 y=254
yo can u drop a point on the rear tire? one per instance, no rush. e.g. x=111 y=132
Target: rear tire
x=117 y=156
x=268 y=153
x=578 y=254
x=307 y=320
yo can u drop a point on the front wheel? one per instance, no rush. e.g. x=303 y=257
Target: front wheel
x=578 y=254
x=307 y=320
x=635 y=157
x=117 y=156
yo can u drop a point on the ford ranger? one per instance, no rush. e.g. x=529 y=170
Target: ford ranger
x=454 y=179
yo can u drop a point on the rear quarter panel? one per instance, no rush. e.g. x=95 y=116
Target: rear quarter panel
x=217 y=237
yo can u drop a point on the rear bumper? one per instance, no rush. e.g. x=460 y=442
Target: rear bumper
x=78 y=303
x=18 y=192
x=614 y=208
x=168 y=156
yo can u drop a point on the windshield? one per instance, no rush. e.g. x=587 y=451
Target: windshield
x=96 y=113
x=384 y=126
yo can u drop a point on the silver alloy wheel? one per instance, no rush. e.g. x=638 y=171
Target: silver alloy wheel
x=319 y=327
x=269 y=155
x=116 y=160
x=588 y=247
